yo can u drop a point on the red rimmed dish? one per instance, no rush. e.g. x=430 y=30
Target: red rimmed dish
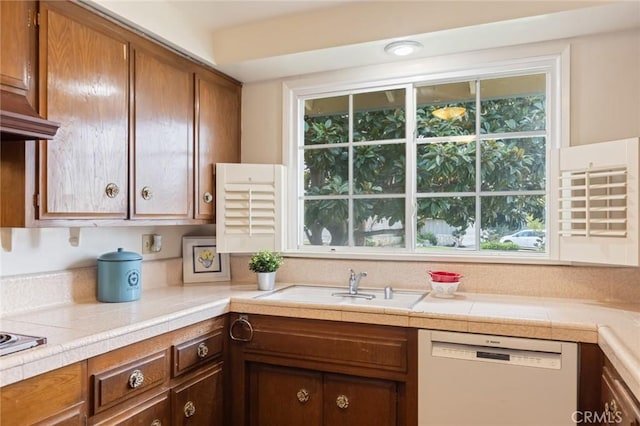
x=444 y=276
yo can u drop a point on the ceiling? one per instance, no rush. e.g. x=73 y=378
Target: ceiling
x=222 y=33
x=218 y=14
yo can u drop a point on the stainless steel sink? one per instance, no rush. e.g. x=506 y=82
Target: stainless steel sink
x=404 y=299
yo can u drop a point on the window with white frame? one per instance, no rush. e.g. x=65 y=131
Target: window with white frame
x=448 y=165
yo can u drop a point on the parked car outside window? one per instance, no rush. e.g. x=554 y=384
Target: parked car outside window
x=526 y=239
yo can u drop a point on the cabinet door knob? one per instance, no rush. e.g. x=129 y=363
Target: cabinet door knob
x=303 y=395
x=156 y=422
x=146 y=193
x=112 y=190
x=136 y=379
x=189 y=409
x=342 y=401
x=207 y=197
x=203 y=350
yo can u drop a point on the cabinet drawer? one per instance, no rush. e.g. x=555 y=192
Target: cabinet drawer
x=50 y=398
x=123 y=382
x=155 y=411
x=199 y=400
x=361 y=346
x=194 y=353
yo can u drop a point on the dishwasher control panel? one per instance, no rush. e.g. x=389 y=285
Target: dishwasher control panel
x=523 y=358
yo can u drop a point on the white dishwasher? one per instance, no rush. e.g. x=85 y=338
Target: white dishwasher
x=476 y=379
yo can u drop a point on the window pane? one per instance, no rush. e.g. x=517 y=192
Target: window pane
x=513 y=104
x=379 y=222
x=446 y=109
x=379 y=169
x=513 y=164
x=326 y=171
x=350 y=191
x=379 y=115
x=446 y=167
x=446 y=221
x=326 y=120
x=513 y=219
x=325 y=222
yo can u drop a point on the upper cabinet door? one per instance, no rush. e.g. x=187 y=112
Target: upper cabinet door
x=84 y=86
x=217 y=136
x=17 y=42
x=162 y=137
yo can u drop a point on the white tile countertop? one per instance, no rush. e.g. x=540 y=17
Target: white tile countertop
x=78 y=331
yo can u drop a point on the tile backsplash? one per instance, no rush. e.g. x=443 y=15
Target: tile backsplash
x=22 y=293
x=575 y=282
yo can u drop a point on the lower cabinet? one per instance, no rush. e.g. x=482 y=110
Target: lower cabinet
x=199 y=401
x=354 y=400
x=619 y=406
x=154 y=412
x=173 y=379
x=282 y=396
x=290 y=371
x=53 y=398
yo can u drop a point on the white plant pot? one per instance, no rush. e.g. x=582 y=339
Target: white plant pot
x=266 y=280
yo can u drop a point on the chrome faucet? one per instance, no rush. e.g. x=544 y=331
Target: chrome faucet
x=354 y=281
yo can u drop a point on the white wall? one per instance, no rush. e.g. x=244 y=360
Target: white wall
x=48 y=249
x=605 y=87
x=164 y=21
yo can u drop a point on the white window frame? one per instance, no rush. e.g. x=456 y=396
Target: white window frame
x=551 y=58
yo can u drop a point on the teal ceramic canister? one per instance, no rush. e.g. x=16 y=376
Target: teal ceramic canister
x=119 y=276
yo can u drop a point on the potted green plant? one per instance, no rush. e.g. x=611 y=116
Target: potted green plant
x=265 y=263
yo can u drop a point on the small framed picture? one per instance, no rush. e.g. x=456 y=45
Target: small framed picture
x=201 y=262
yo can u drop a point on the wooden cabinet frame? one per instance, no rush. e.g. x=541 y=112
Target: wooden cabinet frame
x=376 y=352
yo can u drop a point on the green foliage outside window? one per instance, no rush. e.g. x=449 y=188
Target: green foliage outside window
x=442 y=167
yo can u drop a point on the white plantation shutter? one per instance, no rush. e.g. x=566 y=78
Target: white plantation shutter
x=598 y=203
x=248 y=207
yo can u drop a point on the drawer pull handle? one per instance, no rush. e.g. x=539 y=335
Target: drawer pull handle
x=112 y=190
x=342 y=401
x=156 y=422
x=203 y=350
x=303 y=395
x=207 y=197
x=246 y=324
x=146 y=193
x=189 y=409
x=136 y=379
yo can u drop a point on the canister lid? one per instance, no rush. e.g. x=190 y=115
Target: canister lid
x=120 y=255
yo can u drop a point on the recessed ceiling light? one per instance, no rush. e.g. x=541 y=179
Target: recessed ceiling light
x=402 y=47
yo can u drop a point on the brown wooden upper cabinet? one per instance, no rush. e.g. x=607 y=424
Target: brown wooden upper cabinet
x=85 y=86
x=218 y=122
x=141 y=127
x=162 y=137
x=17 y=44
